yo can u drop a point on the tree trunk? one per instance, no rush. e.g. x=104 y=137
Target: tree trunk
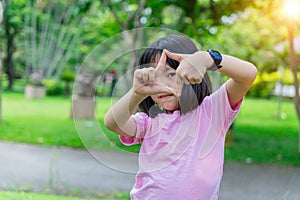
x=1 y=64
x=8 y=63
x=293 y=64
x=10 y=49
x=0 y=86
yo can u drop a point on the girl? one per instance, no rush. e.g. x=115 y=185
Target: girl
x=181 y=126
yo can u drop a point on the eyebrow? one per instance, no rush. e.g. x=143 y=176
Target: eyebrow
x=167 y=68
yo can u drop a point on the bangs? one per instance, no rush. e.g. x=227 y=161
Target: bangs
x=152 y=56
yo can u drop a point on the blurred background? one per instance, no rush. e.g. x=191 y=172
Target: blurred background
x=45 y=42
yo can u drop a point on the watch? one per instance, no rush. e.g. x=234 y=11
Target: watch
x=217 y=57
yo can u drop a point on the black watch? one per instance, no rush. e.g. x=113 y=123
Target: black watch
x=217 y=57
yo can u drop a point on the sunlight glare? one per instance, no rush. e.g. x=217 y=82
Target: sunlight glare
x=292 y=9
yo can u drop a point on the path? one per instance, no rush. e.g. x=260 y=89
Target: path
x=40 y=168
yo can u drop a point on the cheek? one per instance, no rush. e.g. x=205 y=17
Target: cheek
x=178 y=85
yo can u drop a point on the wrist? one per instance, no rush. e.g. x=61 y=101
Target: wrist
x=136 y=96
x=216 y=58
x=205 y=59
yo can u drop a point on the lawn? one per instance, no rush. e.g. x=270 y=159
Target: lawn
x=259 y=137
x=32 y=196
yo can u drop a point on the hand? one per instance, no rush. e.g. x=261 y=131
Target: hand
x=192 y=67
x=148 y=81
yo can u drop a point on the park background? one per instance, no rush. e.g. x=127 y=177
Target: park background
x=44 y=43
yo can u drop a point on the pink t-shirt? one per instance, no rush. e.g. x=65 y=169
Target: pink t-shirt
x=181 y=156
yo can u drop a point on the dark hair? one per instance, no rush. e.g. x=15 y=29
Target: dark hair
x=192 y=95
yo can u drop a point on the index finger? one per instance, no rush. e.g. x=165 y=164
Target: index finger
x=162 y=61
x=174 y=56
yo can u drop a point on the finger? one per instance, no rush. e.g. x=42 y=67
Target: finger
x=175 y=56
x=176 y=91
x=162 y=61
x=145 y=76
x=138 y=74
x=179 y=85
x=166 y=89
x=185 y=80
x=180 y=73
x=151 y=75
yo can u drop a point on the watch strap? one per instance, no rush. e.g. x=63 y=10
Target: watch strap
x=214 y=67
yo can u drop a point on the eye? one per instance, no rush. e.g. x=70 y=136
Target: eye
x=170 y=75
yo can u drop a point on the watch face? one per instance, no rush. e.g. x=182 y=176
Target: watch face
x=216 y=55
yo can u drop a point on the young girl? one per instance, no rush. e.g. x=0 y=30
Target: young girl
x=181 y=126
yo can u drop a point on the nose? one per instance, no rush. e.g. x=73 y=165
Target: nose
x=165 y=80
x=174 y=83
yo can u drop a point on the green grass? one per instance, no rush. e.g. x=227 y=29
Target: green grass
x=48 y=121
x=259 y=136
x=33 y=196
x=45 y=121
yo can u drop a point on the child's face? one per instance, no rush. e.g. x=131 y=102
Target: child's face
x=169 y=79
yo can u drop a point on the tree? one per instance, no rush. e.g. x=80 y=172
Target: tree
x=289 y=18
x=131 y=21
x=197 y=19
x=13 y=16
x=1 y=16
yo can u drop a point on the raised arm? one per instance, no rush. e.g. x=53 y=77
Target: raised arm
x=145 y=83
x=241 y=73
x=118 y=118
x=193 y=67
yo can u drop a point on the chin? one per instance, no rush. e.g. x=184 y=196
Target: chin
x=171 y=108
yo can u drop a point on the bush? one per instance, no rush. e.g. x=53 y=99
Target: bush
x=264 y=84
x=288 y=78
x=67 y=76
x=53 y=87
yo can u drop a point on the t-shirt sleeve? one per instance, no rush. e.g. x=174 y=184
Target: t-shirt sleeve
x=221 y=110
x=142 y=122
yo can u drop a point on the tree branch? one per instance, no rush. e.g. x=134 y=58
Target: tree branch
x=138 y=13
x=119 y=21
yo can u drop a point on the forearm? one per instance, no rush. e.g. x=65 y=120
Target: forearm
x=242 y=72
x=118 y=118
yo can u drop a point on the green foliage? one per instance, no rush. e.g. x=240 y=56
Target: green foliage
x=14 y=14
x=53 y=87
x=67 y=76
x=264 y=84
x=99 y=25
x=288 y=78
x=10 y=29
x=249 y=35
